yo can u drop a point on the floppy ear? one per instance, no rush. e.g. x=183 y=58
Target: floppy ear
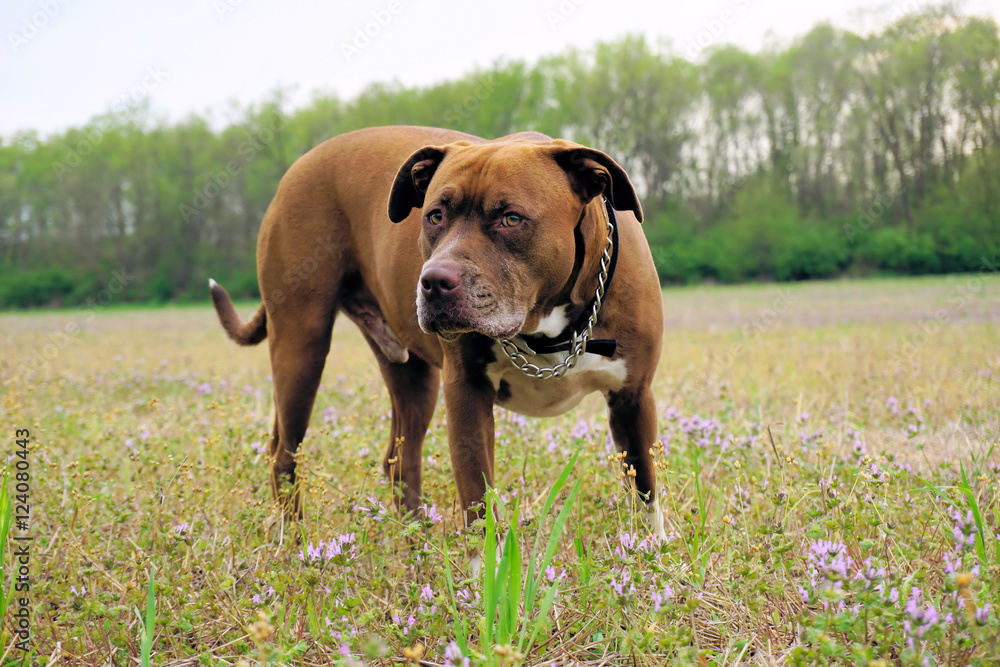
x=411 y=182
x=593 y=173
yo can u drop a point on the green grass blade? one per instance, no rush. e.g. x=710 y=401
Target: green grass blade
x=6 y=520
x=513 y=597
x=496 y=615
x=583 y=566
x=583 y=563
x=557 y=530
x=313 y=620
x=557 y=487
x=971 y=500
x=559 y=526
x=150 y=623
x=543 y=612
x=461 y=628
x=966 y=489
x=489 y=559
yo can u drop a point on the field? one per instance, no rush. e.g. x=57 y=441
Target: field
x=828 y=469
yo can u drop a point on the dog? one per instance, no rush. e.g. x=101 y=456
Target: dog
x=512 y=272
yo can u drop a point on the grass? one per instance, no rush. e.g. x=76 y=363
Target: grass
x=828 y=468
x=7 y=569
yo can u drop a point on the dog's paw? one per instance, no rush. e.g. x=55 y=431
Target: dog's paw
x=654 y=518
x=477 y=562
x=475 y=565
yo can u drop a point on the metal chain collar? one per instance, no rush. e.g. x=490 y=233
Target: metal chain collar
x=579 y=340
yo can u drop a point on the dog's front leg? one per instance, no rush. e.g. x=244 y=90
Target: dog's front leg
x=468 y=400
x=632 y=418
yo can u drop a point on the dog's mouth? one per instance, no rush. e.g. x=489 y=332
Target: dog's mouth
x=450 y=321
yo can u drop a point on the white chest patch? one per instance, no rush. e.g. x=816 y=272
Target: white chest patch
x=552 y=324
x=547 y=398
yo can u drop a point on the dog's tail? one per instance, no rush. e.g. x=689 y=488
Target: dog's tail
x=244 y=333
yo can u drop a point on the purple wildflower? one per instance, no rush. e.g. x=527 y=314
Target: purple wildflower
x=432 y=514
x=893 y=404
x=982 y=614
x=964 y=531
x=871 y=577
x=829 y=567
x=344 y=546
x=920 y=618
x=517 y=420
x=374 y=509
x=625 y=586
x=659 y=598
x=453 y=656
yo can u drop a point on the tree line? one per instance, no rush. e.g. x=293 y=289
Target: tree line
x=841 y=152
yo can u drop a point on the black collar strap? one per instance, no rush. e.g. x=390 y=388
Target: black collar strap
x=605 y=347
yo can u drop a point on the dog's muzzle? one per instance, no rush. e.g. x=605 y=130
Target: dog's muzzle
x=448 y=305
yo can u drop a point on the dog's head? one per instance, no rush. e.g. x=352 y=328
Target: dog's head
x=499 y=228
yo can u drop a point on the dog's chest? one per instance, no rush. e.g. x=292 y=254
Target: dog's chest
x=535 y=397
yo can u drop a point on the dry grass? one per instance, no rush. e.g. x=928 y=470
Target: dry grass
x=145 y=420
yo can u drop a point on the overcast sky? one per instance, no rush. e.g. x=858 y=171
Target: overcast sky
x=64 y=61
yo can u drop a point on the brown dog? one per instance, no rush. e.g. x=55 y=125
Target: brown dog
x=484 y=241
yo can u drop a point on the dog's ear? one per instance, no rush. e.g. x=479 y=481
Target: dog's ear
x=411 y=182
x=593 y=173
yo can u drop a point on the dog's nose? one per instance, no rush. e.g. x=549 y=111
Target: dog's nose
x=441 y=279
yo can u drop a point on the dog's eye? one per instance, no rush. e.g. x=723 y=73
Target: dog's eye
x=511 y=220
x=435 y=217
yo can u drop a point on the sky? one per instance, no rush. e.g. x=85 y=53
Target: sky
x=62 y=62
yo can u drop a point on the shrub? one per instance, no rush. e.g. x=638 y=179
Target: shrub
x=813 y=251
x=38 y=287
x=900 y=251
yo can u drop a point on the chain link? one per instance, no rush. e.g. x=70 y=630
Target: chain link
x=580 y=338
